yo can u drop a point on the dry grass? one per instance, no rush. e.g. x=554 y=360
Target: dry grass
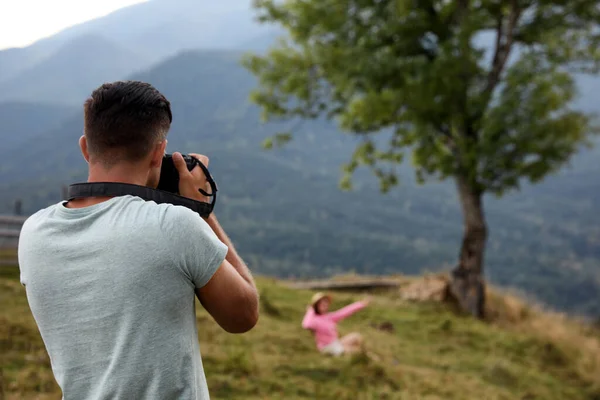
x=567 y=335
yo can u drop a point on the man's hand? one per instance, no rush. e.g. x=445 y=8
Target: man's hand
x=191 y=181
x=367 y=300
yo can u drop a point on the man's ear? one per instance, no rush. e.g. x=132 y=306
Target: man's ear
x=157 y=155
x=84 y=148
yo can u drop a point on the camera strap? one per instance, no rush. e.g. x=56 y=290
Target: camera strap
x=112 y=189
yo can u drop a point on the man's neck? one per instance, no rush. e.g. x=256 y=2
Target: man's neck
x=117 y=174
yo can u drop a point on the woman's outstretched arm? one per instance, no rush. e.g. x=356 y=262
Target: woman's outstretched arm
x=348 y=310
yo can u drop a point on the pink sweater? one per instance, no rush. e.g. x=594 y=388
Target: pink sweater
x=325 y=326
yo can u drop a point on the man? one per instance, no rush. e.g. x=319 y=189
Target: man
x=111 y=281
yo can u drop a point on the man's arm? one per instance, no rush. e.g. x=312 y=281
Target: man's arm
x=230 y=296
x=232 y=256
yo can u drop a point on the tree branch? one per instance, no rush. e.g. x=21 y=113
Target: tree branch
x=461 y=8
x=504 y=44
x=449 y=142
x=499 y=40
x=503 y=48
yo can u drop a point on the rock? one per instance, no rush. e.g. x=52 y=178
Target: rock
x=435 y=288
x=384 y=326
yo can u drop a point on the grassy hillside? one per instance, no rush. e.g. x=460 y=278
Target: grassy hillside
x=432 y=353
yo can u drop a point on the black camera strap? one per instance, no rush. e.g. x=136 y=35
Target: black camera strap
x=159 y=196
x=112 y=189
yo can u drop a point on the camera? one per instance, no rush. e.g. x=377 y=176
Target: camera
x=169 y=176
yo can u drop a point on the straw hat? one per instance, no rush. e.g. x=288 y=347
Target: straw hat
x=318 y=297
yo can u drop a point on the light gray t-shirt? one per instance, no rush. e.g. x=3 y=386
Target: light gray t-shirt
x=111 y=288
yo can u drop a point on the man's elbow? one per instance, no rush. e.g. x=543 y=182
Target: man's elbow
x=247 y=319
x=244 y=323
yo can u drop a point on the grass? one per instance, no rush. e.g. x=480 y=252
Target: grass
x=432 y=353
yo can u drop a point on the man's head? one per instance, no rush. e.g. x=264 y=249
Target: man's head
x=125 y=125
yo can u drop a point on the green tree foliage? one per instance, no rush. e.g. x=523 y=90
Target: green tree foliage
x=487 y=117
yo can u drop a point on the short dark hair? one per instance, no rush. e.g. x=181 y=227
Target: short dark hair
x=124 y=120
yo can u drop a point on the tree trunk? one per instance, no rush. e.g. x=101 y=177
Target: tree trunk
x=467 y=284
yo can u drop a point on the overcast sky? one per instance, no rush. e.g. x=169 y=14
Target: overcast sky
x=22 y=22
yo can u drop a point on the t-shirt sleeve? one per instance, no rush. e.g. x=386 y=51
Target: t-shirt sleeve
x=195 y=248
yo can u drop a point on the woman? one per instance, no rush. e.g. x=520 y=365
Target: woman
x=324 y=325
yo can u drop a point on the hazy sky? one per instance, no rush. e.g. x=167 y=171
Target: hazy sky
x=25 y=21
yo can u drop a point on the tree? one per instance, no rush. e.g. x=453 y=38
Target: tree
x=488 y=117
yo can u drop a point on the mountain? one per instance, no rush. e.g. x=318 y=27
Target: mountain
x=22 y=121
x=76 y=68
x=162 y=28
x=126 y=24
x=116 y=45
x=286 y=215
x=262 y=42
x=12 y=61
